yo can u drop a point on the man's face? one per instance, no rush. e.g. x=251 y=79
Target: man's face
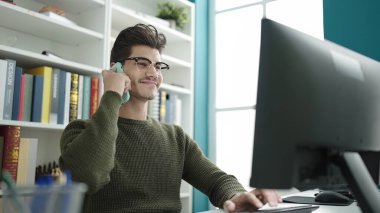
x=145 y=80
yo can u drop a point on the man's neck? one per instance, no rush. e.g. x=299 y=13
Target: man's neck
x=136 y=110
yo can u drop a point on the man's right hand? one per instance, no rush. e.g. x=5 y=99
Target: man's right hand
x=117 y=82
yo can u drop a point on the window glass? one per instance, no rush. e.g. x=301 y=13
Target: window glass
x=227 y=4
x=237 y=47
x=234 y=149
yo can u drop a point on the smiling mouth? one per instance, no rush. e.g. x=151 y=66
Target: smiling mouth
x=149 y=82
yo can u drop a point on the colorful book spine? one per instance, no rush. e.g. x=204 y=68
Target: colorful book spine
x=21 y=102
x=80 y=97
x=74 y=97
x=1 y=150
x=22 y=161
x=38 y=83
x=94 y=95
x=27 y=162
x=3 y=72
x=86 y=97
x=9 y=88
x=178 y=112
x=28 y=97
x=67 y=98
x=162 y=106
x=16 y=93
x=154 y=107
x=169 y=108
x=61 y=97
x=11 y=135
x=54 y=96
x=46 y=72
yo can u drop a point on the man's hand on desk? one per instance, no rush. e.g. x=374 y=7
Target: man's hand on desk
x=252 y=200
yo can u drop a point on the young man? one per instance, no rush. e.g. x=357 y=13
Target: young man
x=133 y=163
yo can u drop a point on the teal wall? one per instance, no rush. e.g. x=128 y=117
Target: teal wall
x=354 y=24
x=200 y=201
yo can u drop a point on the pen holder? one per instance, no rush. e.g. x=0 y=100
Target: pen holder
x=44 y=199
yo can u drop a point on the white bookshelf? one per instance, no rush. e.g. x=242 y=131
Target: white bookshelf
x=85 y=49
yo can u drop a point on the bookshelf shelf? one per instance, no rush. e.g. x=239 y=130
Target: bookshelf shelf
x=175 y=62
x=29 y=59
x=32 y=125
x=185 y=195
x=175 y=89
x=44 y=27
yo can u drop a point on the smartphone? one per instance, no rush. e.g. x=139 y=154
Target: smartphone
x=119 y=69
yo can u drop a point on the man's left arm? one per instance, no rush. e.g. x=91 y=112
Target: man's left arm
x=223 y=190
x=204 y=175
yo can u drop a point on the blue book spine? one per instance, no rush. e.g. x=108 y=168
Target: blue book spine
x=28 y=95
x=37 y=98
x=61 y=96
x=16 y=93
x=54 y=96
x=10 y=82
x=86 y=97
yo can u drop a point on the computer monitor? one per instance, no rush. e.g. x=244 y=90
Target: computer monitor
x=318 y=105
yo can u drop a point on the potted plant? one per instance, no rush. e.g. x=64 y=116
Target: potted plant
x=171 y=12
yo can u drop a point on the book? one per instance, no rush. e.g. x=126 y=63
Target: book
x=28 y=96
x=168 y=108
x=46 y=73
x=94 y=95
x=9 y=88
x=1 y=150
x=80 y=97
x=178 y=112
x=67 y=98
x=38 y=83
x=74 y=97
x=61 y=97
x=86 y=97
x=17 y=90
x=154 y=107
x=3 y=72
x=11 y=135
x=162 y=106
x=21 y=102
x=26 y=169
x=54 y=96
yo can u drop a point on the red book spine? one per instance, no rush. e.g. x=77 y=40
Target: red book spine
x=94 y=95
x=11 y=147
x=19 y=116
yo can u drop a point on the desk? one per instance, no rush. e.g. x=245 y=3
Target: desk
x=353 y=208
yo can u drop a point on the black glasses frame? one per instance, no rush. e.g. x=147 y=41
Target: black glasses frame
x=165 y=65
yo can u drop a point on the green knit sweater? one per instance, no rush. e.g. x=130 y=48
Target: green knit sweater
x=137 y=166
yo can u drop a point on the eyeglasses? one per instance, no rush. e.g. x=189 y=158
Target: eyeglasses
x=143 y=64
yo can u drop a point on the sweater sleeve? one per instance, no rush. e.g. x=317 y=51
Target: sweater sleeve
x=88 y=147
x=207 y=177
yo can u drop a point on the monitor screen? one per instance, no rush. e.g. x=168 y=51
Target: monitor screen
x=318 y=104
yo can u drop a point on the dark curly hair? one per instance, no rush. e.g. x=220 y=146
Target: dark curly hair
x=140 y=34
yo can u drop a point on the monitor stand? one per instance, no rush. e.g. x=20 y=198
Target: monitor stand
x=359 y=180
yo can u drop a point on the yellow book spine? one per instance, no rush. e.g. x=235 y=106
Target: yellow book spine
x=73 y=113
x=163 y=106
x=22 y=161
x=46 y=72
